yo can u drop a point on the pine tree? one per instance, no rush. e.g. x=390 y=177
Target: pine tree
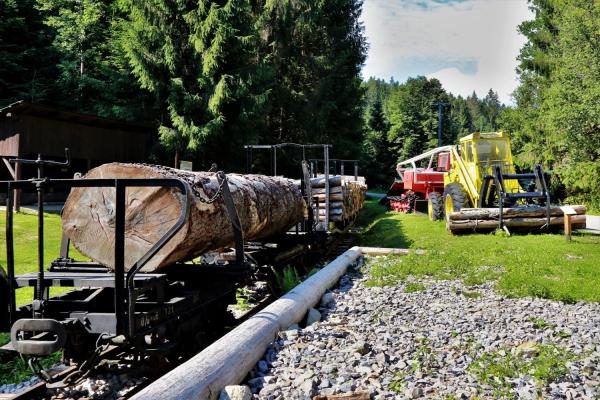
x=92 y=74
x=414 y=119
x=491 y=109
x=556 y=119
x=27 y=59
x=461 y=119
x=378 y=158
x=198 y=58
x=314 y=51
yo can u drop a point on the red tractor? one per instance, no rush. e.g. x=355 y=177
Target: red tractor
x=415 y=186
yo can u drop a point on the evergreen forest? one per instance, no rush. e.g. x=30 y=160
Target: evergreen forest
x=211 y=76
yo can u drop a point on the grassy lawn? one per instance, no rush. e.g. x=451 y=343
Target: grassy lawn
x=521 y=265
x=25 y=240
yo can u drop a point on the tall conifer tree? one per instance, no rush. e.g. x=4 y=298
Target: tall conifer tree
x=27 y=58
x=198 y=57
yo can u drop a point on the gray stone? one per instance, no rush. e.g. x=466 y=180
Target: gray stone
x=307 y=387
x=262 y=366
x=360 y=347
x=413 y=393
x=381 y=358
x=236 y=392
x=312 y=316
x=372 y=338
x=327 y=299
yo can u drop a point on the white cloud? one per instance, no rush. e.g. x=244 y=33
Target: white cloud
x=468 y=45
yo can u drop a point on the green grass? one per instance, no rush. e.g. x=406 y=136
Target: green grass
x=287 y=279
x=546 y=364
x=242 y=297
x=26 y=253
x=16 y=369
x=471 y=294
x=4 y=338
x=414 y=287
x=541 y=265
x=540 y=323
x=378 y=190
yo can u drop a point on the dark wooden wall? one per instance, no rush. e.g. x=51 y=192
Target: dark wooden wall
x=50 y=137
x=29 y=130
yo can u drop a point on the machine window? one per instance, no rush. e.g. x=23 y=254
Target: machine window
x=470 y=152
x=492 y=150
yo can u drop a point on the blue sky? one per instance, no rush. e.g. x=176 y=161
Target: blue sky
x=467 y=44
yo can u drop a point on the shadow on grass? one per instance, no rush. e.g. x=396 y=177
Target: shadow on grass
x=386 y=232
x=380 y=228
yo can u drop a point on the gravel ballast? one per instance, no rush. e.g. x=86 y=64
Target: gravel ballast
x=435 y=341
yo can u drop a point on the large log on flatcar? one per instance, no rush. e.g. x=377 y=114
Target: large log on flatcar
x=266 y=206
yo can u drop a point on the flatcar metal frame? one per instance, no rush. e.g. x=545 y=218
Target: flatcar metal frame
x=127 y=284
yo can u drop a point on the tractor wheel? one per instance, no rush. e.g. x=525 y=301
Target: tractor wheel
x=435 y=208
x=455 y=198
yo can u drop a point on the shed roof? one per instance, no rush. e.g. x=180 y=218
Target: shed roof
x=26 y=108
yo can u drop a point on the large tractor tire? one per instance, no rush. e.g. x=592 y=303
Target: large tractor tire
x=435 y=208
x=455 y=198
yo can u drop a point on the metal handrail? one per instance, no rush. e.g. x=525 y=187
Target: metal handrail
x=420 y=157
x=132 y=272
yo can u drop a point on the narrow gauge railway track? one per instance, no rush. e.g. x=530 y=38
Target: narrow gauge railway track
x=336 y=245
x=39 y=390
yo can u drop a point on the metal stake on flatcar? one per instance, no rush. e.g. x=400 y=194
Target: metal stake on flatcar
x=40 y=291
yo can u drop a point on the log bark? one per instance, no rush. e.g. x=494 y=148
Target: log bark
x=319 y=182
x=333 y=189
x=332 y=197
x=517 y=212
x=266 y=206
x=578 y=222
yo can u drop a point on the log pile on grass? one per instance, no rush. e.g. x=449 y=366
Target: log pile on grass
x=529 y=218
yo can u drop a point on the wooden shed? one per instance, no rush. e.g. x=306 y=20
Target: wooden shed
x=27 y=130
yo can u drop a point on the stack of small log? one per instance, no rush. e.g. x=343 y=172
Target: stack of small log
x=529 y=218
x=346 y=196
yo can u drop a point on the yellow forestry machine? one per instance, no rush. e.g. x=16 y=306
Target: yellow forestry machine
x=475 y=187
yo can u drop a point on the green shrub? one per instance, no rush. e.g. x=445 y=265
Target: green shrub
x=287 y=279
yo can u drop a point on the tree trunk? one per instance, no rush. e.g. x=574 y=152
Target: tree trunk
x=319 y=182
x=578 y=222
x=520 y=212
x=266 y=206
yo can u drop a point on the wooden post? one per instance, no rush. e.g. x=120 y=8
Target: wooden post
x=568 y=212
x=16 y=175
x=568 y=227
